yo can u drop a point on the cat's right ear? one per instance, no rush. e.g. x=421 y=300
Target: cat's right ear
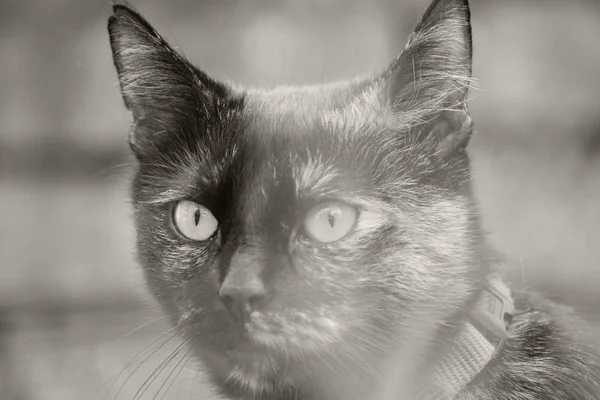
x=159 y=86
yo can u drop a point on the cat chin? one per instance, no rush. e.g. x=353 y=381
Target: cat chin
x=270 y=353
x=250 y=369
x=271 y=368
x=255 y=381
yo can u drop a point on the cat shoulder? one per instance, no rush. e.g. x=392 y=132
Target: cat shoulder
x=550 y=354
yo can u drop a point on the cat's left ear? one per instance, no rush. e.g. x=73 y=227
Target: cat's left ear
x=427 y=85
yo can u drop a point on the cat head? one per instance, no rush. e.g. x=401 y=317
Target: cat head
x=303 y=220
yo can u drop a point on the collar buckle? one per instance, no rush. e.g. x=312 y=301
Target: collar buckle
x=493 y=313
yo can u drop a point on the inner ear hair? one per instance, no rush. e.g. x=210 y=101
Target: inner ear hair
x=428 y=84
x=450 y=132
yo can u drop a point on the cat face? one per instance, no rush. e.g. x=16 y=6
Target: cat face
x=320 y=223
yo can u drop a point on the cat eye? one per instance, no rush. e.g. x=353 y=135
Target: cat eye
x=330 y=221
x=194 y=221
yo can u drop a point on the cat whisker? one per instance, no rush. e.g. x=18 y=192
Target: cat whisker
x=371 y=343
x=158 y=370
x=366 y=345
x=125 y=167
x=145 y=324
x=178 y=367
x=188 y=369
x=139 y=354
x=148 y=354
x=353 y=374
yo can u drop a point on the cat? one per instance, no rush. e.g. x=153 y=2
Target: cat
x=323 y=242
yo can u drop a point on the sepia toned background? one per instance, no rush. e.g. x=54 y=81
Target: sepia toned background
x=73 y=309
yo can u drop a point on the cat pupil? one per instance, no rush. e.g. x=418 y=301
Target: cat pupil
x=331 y=219
x=197 y=216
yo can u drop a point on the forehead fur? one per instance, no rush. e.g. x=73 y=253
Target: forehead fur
x=351 y=124
x=341 y=106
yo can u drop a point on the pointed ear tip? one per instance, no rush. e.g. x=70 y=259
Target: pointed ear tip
x=120 y=4
x=462 y=6
x=121 y=9
x=125 y=16
x=118 y=13
x=461 y=10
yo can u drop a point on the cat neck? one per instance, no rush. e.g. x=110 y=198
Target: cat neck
x=480 y=340
x=464 y=345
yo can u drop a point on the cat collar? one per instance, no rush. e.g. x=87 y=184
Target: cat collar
x=480 y=341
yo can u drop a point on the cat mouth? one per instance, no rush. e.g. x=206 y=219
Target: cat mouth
x=288 y=332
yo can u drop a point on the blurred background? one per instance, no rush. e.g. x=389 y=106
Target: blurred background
x=73 y=309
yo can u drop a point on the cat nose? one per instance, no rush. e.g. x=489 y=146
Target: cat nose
x=241 y=298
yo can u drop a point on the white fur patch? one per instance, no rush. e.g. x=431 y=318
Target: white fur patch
x=296 y=332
